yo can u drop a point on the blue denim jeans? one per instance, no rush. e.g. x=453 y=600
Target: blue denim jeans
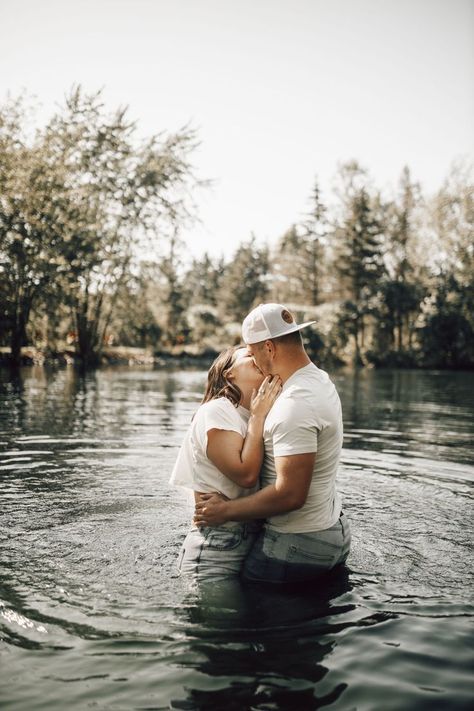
x=294 y=557
x=216 y=554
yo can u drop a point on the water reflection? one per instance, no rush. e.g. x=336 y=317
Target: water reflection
x=269 y=646
x=90 y=532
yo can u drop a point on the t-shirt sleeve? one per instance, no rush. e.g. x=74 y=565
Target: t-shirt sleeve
x=221 y=414
x=295 y=431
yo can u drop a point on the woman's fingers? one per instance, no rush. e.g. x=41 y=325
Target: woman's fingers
x=274 y=387
x=270 y=383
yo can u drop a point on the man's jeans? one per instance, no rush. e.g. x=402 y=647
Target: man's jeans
x=293 y=557
x=217 y=554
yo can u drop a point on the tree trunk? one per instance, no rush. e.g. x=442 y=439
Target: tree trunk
x=357 y=355
x=409 y=326
x=18 y=332
x=88 y=356
x=15 y=345
x=399 y=332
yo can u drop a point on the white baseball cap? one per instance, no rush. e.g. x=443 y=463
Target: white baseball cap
x=268 y=321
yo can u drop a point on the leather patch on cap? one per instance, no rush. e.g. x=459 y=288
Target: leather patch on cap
x=287 y=317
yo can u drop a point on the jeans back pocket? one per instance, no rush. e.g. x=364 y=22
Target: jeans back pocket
x=222 y=539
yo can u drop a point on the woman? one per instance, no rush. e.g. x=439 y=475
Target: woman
x=223 y=451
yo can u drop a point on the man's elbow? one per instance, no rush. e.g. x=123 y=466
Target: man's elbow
x=294 y=500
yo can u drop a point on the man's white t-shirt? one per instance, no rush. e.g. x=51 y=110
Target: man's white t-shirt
x=193 y=469
x=305 y=418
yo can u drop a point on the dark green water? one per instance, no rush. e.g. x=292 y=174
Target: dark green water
x=92 y=615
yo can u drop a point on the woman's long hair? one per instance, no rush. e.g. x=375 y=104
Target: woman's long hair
x=218 y=385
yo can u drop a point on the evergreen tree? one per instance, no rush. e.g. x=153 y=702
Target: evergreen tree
x=402 y=288
x=173 y=293
x=299 y=260
x=289 y=268
x=203 y=280
x=316 y=231
x=447 y=336
x=244 y=281
x=358 y=258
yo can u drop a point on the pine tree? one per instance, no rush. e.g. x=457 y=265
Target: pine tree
x=358 y=261
x=244 y=281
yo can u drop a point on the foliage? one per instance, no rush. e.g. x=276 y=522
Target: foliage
x=91 y=252
x=244 y=280
x=78 y=201
x=358 y=255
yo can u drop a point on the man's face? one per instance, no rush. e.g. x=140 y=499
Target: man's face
x=261 y=357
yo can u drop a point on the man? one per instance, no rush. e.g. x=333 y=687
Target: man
x=305 y=531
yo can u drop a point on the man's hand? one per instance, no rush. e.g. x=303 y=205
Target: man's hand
x=210 y=510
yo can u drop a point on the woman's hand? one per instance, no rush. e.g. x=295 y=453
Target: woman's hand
x=210 y=510
x=262 y=400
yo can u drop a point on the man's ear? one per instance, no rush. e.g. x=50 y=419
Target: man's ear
x=270 y=348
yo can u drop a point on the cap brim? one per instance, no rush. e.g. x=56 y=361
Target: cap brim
x=296 y=327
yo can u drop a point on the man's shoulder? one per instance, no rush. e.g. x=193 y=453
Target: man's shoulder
x=294 y=403
x=305 y=398
x=311 y=376
x=309 y=383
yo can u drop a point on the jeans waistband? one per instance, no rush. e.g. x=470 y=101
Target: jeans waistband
x=237 y=527
x=244 y=526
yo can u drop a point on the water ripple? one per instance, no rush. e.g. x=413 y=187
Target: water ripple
x=91 y=610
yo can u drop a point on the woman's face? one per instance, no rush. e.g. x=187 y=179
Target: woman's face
x=246 y=374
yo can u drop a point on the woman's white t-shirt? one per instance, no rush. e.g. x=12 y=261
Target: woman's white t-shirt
x=193 y=469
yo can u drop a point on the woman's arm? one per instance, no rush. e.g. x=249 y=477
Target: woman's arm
x=294 y=475
x=238 y=458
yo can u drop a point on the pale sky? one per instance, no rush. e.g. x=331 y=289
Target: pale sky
x=279 y=90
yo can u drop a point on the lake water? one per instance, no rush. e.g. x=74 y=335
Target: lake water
x=92 y=614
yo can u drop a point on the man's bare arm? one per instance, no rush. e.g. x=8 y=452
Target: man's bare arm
x=289 y=492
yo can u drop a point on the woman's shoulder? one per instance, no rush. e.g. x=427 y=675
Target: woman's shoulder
x=219 y=404
x=221 y=411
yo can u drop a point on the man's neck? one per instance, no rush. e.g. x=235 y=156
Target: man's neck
x=289 y=365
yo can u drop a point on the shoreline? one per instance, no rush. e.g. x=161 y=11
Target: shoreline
x=118 y=355
x=181 y=356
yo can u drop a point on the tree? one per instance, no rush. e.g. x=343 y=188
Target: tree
x=299 y=260
x=315 y=230
x=91 y=194
x=244 y=282
x=134 y=322
x=173 y=292
x=402 y=288
x=447 y=336
x=203 y=280
x=289 y=267
x=358 y=255
x=33 y=208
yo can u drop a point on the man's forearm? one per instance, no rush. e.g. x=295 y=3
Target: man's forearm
x=267 y=502
x=294 y=475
